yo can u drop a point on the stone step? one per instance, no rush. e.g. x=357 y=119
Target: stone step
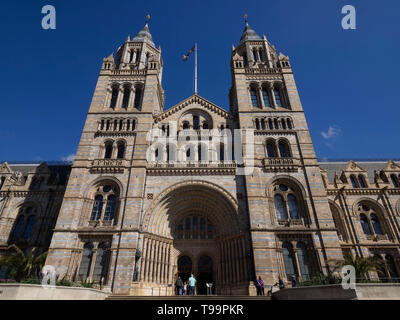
x=185 y=298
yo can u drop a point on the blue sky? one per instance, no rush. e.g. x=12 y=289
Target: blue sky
x=347 y=79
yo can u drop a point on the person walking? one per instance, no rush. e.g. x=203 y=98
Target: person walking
x=179 y=285
x=192 y=283
x=260 y=284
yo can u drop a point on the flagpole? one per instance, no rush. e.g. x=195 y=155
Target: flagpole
x=195 y=67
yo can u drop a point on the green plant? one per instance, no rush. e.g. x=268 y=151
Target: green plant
x=87 y=284
x=22 y=265
x=320 y=279
x=65 y=283
x=362 y=265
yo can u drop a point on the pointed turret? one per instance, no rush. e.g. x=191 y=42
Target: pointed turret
x=248 y=33
x=144 y=35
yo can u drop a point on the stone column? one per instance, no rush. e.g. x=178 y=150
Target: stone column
x=272 y=94
x=158 y=274
x=260 y=95
x=131 y=98
x=107 y=99
x=151 y=260
x=143 y=262
x=120 y=97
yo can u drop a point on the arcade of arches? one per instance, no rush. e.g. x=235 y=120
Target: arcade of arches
x=195 y=229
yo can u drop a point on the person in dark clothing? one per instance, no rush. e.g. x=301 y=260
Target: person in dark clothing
x=281 y=283
x=179 y=285
x=293 y=281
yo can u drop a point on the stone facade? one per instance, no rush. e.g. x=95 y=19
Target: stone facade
x=154 y=194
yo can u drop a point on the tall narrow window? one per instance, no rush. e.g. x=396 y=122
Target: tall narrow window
x=265 y=97
x=283 y=123
x=185 y=125
x=365 y=225
x=137 y=57
x=271 y=151
x=110 y=208
x=199 y=152
x=18 y=226
x=100 y=266
x=263 y=124
x=195 y=122
x=353 y=181
x=86 y=261
x=254 y=100
x=121 y=150
x=289 y=123
x=97 y=208
x=221 y=152
x=277 y=97
x=293 y=207
x=391 y=266
x=257 y=124
x=376 y=225
x=125 y=100
x=284 y=149
x=394 y=180
x=255 y=55
x=280 y=207
x=138 y=98
x=108 y=150
x=29 y=227
x=288 y=259
x=361 y=181
x=114 y=97
x=205 y=125
x=303 y=259
x=271 y=127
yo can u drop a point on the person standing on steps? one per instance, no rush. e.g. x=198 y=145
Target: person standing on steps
x=179 y=285
x=192 y=283
x=260 y=285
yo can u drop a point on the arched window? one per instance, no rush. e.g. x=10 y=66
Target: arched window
x=271 y=127
x=185 y=125
x=376 y=225
x=271 y=149
x=97 y=208
x=288 y=259
x=265 y=97
x=114 y=97
x=283 y=123
x=138 y=97
x=121 y=149
x=110 y=208
x=253 y=95
x=125 y=100
x=137 y=56
x=303 y=259
x=86 y=261
x=280 y=207
x=257 y=124
x=289 y=123
x=353 y=181
x=263 y=124
x=365 y=225
x=361 y=181
x=293 y=207
x=255 y=55
x=276 y=125
x=29 y=227
x=101 y=263
x=394 y=180
x=195 y=227
x=278 y=97
x=18 y=226
x=205 y=125
x=108 y=150
x=284 y=149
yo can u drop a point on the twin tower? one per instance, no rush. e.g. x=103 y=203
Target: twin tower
x=136 y=215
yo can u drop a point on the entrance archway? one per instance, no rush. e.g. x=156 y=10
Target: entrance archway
x=204 y=274
x=196 y=227
x=184 y=267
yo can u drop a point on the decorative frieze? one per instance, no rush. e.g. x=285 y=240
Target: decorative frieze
x=108 y=166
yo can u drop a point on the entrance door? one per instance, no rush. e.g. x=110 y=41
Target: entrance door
x=205 y=274
x=184 y=268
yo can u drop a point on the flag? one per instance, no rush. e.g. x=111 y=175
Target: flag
x=185 y=57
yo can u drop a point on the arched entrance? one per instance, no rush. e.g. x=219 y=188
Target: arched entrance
x=205 y=274
x=184 y=268
x=195 y=227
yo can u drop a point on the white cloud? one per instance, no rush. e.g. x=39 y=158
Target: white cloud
x=333 y=131
x=70 y=158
